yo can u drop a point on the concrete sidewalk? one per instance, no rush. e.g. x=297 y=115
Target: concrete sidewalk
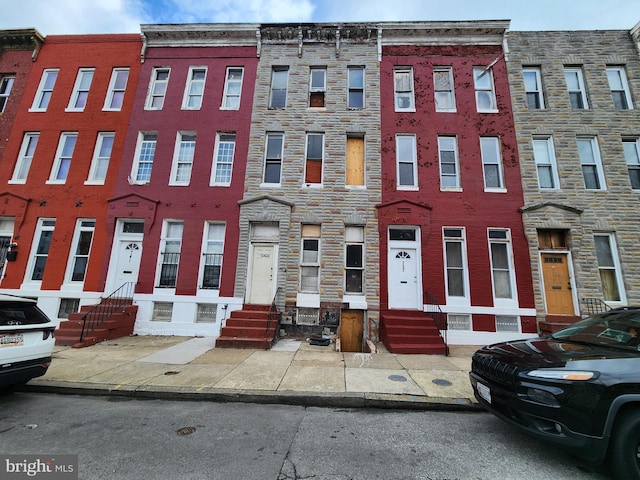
x=293 y=372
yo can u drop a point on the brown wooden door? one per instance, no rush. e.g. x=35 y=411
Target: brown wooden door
x=351 y=330
x=557 y=284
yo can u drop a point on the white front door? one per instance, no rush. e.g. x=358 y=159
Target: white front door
x=127 y=263
x=262 y=274
x=404 y=283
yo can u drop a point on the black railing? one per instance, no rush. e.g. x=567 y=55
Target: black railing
x=439 y=317
x=119 y=299
x=169 y=269
x=591 y=306
x=212 y=267
x=274 y=316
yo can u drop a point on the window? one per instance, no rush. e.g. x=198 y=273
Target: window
x=533 y=88
x=67 y=306
x=609 y=267
x=170 y=254
x=591 y=164
x=491 y=163
x=403 y=84
x=507 y=323
x=62 y=162
x=310 y=259
x=206 y=313
x=458 y=322
x=448 y=155
x=576 y=88
x=552 y=239
x=157 y=88
x=45 y=90
x=485 y=93
x=279 y=81
x=354 y=259
x=631 y=148
x=406 y=161
x=545 y=159
x=162 y=311
x=314 y=156
x=212 y=255
x=117 y=87
x=145 y=153
x=81 y=248
x=455 y=262
x=232 y=88
x=183 y=158
x=81 y=89
x=25 y=158
x=444 y=96
x=44 y=233
x=101 y=157
x=501 y=264
x=355 y=95
x=5 y=90
x=619 y=88
x=194 y=89
x=223 y=159
x=317 y=86
x=355 y=161
x=273 y=158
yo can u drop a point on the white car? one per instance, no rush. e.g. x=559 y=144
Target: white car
x=26 y=340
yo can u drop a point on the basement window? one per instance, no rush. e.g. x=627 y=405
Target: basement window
x=307 y=316
x=67 y=306
x=206 y=313
x=507 y=323
x=162 y=311
x=459 y=322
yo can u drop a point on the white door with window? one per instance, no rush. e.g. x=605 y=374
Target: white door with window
x=127 y=263
x=404 y=280
x=262 y=274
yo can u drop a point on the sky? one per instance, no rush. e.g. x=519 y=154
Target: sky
x=54 y=17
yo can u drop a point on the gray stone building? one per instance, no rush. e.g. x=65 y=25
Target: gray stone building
x=308 y=226
x=575 y=98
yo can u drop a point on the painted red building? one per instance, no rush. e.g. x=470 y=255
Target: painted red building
x=59 y=167
x=173 y=217
x=450 y=230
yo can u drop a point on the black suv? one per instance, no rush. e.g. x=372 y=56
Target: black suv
x=578 y=388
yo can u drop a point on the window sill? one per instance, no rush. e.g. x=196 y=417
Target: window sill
x=94 y=182
x=407 y=188
x=270 y=185
x=451 y=189
x=17 y=182
x=488 y=111
x=55 y=182
x=495 y=190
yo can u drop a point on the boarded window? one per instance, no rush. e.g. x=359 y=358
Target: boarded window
x=355 y=161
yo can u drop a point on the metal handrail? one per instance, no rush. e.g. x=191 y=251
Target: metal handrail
x=593 y=306
x=122 y=297
x=439 y=317
x=273 y=315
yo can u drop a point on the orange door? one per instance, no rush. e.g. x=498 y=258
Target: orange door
x=557 y=284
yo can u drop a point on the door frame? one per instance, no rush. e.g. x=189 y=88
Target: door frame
x=119 y=238
x=414 y=245
x=274 y=266
x=574 y=293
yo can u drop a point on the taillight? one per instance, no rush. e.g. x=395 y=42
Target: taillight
x=47 y=333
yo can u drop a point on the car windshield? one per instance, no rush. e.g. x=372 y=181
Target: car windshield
x=617 y=328
x=16 y=313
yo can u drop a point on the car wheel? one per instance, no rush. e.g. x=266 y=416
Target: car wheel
x=624 y=451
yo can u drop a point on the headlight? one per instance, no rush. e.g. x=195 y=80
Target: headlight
x=576 y=375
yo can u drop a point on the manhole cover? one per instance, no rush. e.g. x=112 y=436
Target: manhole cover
x=171 y=372
x=186 y=431
x=397 y=378
x=441 y=382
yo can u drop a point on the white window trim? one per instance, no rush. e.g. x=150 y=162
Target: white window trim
x=616 y=265
x=153 y=81
x=449 y=71
x=22 y=158
x=306 y=160
x=503 y=302
x=502 y=188
x=412 y=99
x=41 y=91
x=216 y=152
x=492 y=89
x=175 y=163
x=350 y=89
x=136 y=159
x=79 y=228
x=636 y=144
x=274 y=70
x=91 y=180
x=315 y=264
x=363 y=259
x=457 y=187
x=205 y=242
x=40 y=228
x=456 y=300
x=548 y=141
x=621 y=71
x=264 y=170
x=581 y=86
x=539 y=93
x=227 y=82
x=8 y=81
x=595 y=149
x=57 y=162
x=414 y=162
x=76 y=90
x=189 y=85
x=111 y=91
x=163 y=247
